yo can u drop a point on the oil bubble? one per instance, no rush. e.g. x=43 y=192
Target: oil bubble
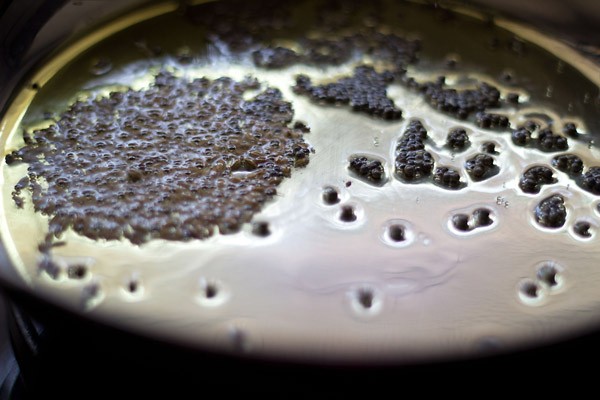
x=582 y=229
x=211 y=293
x=397 y=233
x=330 y=195
x=261 y=229
x=365 y=300
x=550 y=275
x=461 y=222
x=347 y=213
x=482 y=217
x=77 y=271
x=551 y=212
x=133 y=286
x=367 y=169
x=530 y=292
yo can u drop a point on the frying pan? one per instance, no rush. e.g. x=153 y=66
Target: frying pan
x=64 y=351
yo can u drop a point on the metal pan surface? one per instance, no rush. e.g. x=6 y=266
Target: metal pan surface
x=332 y=183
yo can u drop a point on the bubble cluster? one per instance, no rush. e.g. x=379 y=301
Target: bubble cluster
x=479 y=218
x=535 y=177
x=590 y=180
x=568 y=163
x=551 y=212
x=337 y=49
x=547 y=279
x=481 y=167
x=457 y=102
x=365 y=91
x=177 y=161
x=370 y=170
x=551 y=142
x=447 y=177
x=532 y=136
x=489 y=120
x=413 y=162
x=457 y=139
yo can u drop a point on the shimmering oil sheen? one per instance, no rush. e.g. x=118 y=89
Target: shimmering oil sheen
x=409 y=220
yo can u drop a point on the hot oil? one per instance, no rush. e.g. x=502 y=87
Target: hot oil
x=335 y=261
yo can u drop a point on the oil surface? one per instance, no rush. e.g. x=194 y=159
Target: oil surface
x=440 y=186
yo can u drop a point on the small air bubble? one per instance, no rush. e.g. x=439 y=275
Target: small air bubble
x=548 y=274
x=396 y=233
x=211 y=293
x=210 y=290
x=365 y=301
x=482 y=217
x=261 y=229
x=133 y=286
x=365 y=298
x=582 y=229
x=461 y=222
x=347 y=214
x=530 y=289
x=330 y=195
x=77 y=271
